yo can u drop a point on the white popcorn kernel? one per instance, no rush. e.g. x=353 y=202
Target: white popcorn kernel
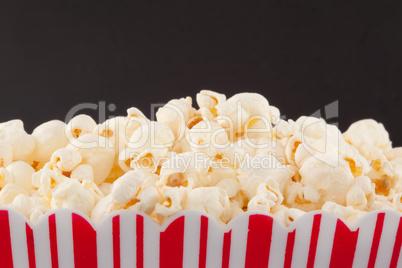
x=114 y=130
x=6 y=153
x=209 y=99
x=21 y=174
x=129 y=185
x=285 y=129
x=361 y=194
x=73 y=195
x=21 y=142
x=367 y=132
x=46 y=180
x=106 y=188
x=211 y=200
x=82 y=172
x=253 y=103
x=397 y=201
x=9 y=192
x=93 y=189
x=262 y=168
x=349 y=214
x=135 y=118
x=126 y=156
x=232 y=117
x=97 y=152
x=26 y=204
x=49 y=137
x=288 y=215
x=218 y=173
x=176 y=114
x=332 y=178
x=274 y=114
x=394 y=153
x=17 y=123
x=268 y=195
x=37 y=213
x=230 y=185
x=187 y=170
x=105 y=206
x=149 y=160
x=65 y=159
x=172 y=201
x=146 y=200
x=5 y=177
x=152 y=136
x=79 y=125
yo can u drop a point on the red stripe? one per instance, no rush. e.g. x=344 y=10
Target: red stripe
x=6 y=255
x=227 y=239
x=314 y=239
x=344 y=246
x=31 y=246
x=397 y=246
x=116 y=241
x=140 y=241
x=53 y=241
x=376 y=239
x=171 y=245
x=203 y=242
x=258 y=241
x=84 y=241
x=289 y=249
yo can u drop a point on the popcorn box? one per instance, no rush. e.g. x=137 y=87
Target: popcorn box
x=66 y=238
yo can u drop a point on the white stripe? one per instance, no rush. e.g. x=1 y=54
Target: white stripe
x=214 y=243
x=151 y=242
x=65 y=246
x=387 y=241
x=18 y=239
x=42 y=242
x=278 y=244
x=128 y=247
x=191 y=243
x=366 y=227
x=105 y=243
x=301 y=248
x=324 y=244
x=239 y=226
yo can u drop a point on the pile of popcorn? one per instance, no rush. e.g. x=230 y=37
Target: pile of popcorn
x=226 y=157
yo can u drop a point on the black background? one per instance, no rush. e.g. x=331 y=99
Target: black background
x=301 y=55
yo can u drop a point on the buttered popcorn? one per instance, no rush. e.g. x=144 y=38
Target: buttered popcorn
x=229 y=155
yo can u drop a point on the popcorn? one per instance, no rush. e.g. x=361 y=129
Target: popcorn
x=21 y=143
x=368 y=132
x=211 y=200
x=361 y=194
x=187 y=170
x=268 y=195
x=26 y=204
x=49 y=137
x=9 y=192
x=66 y=159
x=209 y=99
x=114 y=130
x=105 y=206
x=73 y=195
x=6 y=154
x=259 y=169
x=172 y=201
x=127 y=187
x=97 y=152
x=288 y=215
x=229 y=156
x=176 y=114
x=21 y=174
x=332 y=180
x=79 y=125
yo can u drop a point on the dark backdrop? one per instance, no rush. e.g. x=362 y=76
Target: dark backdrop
x=301 y=55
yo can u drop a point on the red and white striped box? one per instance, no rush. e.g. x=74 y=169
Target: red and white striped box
x=65 y=238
